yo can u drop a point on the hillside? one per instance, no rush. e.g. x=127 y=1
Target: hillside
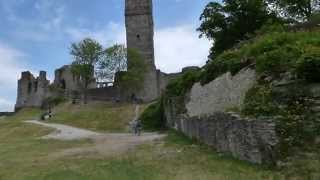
x=258 y=101
x=175 y=157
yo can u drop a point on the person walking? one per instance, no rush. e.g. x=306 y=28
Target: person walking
x=138 y=128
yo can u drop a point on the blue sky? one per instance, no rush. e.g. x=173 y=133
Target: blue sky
x=36 y=34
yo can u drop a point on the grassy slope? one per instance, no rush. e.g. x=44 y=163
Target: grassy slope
x=22 y=152
x=104 y=117
x=24 y=156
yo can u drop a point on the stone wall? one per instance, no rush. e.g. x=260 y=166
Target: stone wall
x=32 y=91
x=104 y=94
x=140 y=32
x=246 y=139
x=65 y=79
x=6 y=113
x=201 y=114
x=224 y=92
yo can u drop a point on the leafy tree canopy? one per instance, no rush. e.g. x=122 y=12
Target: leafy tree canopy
x=87 y=51
x=232 y=21
x=297 y=9
x=86 y=54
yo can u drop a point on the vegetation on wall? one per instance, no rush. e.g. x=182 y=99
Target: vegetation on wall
x=272 y=54
x=296 y=126
x=133 y=78
x=181 y=85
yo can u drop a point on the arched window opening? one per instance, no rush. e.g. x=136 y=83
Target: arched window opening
x=36 y=86
x=29 y=87
x=63 y=84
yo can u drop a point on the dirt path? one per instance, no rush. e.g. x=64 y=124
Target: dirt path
x=104 y=144
x=64 y=132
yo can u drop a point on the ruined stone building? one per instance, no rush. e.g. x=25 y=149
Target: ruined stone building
x=66 y=80
x=140 y=32
x=32 y=91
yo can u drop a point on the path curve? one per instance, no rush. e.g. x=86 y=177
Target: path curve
x=64 y=132
x=104 y=144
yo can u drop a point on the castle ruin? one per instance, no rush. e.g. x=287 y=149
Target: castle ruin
x=32 y=92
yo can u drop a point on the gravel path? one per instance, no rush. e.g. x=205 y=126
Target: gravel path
x=104 y=144
x=64 y=132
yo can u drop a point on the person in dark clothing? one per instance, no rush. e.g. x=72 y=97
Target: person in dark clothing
x=137 y=128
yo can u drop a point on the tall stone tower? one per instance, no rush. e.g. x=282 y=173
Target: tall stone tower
x=140 y=32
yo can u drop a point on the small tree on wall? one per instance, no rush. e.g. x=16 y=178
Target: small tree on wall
x=86 y=54
x=133 y=79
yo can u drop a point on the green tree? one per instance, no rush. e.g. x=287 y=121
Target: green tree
x=133 y=78
x=232 y=21
x=86 y=54
x=297 y=9
x=113 y=61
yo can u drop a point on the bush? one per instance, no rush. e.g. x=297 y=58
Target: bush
x=259 y=102
x=273 y=54
x=227 y=62
x=308 y=66
x=153 y=117
x=182 y=84
x=295 y=124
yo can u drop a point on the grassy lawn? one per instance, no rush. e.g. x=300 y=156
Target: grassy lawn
x=23 y=156
x=102 y=117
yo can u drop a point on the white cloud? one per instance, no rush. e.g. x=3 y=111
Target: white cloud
x=178 y=47
x=108 y=35
x=11 y=66
x=175 y=47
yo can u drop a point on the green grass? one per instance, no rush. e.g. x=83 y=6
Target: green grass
x=22 y=152
x=102 y=117
x=23 y=156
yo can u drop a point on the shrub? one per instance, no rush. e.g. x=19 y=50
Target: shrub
x=273 y=54
x=153 y=117
x=308 y=66
x=259 y=102
x=227 y=62
x=295 y=124
x=182 y=84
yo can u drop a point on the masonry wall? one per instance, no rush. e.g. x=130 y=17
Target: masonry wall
x=32 y=91
x=201 y=114
x=224 y=92
x=65 y=79
x=246 y=139
x=140 y=32
x=104 y=94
